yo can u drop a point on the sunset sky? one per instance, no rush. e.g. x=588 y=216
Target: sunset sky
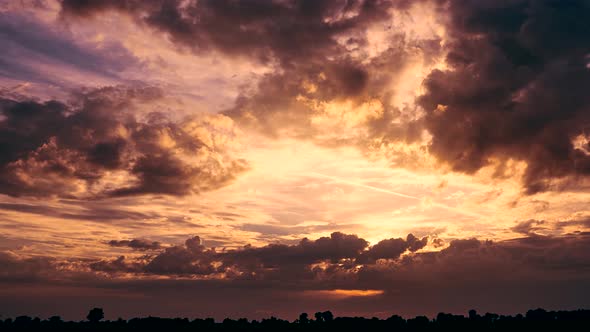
x=250 y=158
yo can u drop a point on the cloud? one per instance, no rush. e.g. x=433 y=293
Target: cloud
x=193 y=258
x=576 y=225
x=336 y=255
x=136 y=244
x=82 y=149
x=90 y=213
x=328 y=83
x=283 y=31
x=38 y=53
x=528 y=227
x=393 y=248
x=116 y=266
x=334 y=248
x=514 y=89
x=190 y=259
x=475 y=262
x=338 y=99
x=16 y=268
x=347 y=261
x=511 y=88
x=468 y=273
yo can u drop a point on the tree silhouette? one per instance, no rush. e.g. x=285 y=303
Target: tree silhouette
x=327 y=316
x=95 y=315
x=319 y=317
x=304 y=318
x=534 y=320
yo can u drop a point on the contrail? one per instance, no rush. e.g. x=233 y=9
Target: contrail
x=365 y=186
x=395 y=193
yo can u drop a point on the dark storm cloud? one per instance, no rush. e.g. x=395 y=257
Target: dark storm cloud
x=516 y=88
x=52 y=148
x=136 y=244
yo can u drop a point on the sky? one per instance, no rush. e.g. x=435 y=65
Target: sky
x=249 y=158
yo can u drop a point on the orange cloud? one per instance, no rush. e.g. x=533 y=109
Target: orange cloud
x=344 y=293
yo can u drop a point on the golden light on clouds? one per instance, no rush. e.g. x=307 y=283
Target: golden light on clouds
x=344 y=293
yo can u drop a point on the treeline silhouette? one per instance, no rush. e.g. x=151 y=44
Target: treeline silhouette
x=537 y=320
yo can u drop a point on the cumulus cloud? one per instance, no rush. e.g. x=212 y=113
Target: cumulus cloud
x=269 y=261
x=193 y=258
x=277 y=261
x=472 y=270
x=340 y=251
x=82 y=148
x=190 y=259
x=346 y=261
x=393 y=248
